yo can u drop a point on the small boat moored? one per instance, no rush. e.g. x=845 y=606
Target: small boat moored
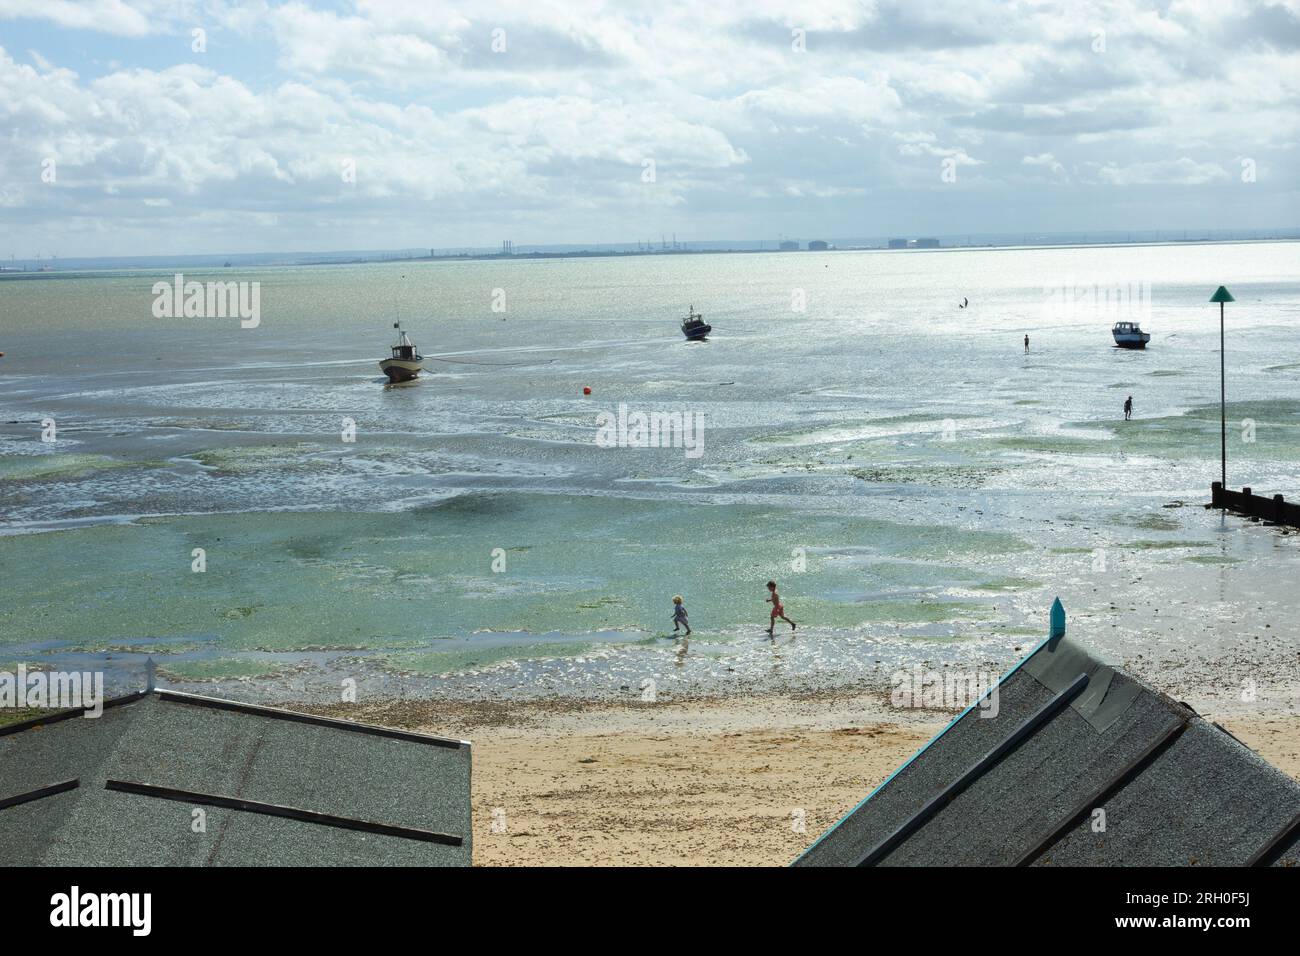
x=1129 y=336
x=694 y=327
x=406 y=363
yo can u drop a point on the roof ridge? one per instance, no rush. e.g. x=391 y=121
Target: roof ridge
x=56 y=716
x=222 y=703
x=281 y=713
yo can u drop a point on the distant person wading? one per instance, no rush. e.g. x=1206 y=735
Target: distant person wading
x=1128 y=408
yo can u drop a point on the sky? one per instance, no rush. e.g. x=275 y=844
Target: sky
x=160 y=127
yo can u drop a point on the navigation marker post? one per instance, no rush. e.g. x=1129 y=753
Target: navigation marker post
x=1222 y=295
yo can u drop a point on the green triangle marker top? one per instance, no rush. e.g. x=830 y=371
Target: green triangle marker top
x=1056 y=625
x=1222 y=295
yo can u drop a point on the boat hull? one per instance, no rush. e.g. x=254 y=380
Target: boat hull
x=400 y=370
x=697 y=334
x=1138 y=341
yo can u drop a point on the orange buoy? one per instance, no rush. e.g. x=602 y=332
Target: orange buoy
x=586 y=389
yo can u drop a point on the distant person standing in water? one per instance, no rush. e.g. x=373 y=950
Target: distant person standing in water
x=777 y=609
x=679 y=615
x=1026 y=343
x=1128 y=408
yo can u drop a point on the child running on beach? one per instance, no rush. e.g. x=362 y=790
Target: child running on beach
x=679 y=615
x=777 y=609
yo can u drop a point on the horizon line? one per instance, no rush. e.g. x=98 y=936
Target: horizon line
x=1012 y=239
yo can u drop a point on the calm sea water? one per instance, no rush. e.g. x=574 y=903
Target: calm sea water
x=919 y=486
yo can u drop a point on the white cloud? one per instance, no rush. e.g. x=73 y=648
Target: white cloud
x=1045 y=160
x=119 y=17
x=551 y=133
x=923 y=144
x=842 y=99
x=1173 y=172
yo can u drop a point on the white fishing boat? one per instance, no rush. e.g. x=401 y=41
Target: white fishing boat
x=407 y=362
x=1128 y=335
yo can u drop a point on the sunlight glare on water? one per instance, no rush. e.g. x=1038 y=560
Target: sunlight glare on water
x=921 y=487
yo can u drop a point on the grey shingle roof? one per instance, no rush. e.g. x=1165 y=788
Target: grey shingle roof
x=277 y=789
x=1073 y=735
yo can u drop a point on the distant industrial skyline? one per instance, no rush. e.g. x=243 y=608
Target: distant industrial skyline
x=509 y=249
x=173 y=127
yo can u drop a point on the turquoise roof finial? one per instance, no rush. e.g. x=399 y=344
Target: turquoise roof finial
x=1057 y=619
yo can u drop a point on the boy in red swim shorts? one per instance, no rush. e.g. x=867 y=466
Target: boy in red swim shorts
x=777 y=610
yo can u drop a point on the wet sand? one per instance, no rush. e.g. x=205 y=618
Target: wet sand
x=713 y=782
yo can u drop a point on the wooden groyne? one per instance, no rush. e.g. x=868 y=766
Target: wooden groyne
x=1276 y=510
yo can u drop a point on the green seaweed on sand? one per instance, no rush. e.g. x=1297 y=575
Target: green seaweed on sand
x=912 y=610
x=23 y=467
x=1017 y=631
x=894 y=426
x=16 y=715
x=1191 y=435
x=228 y=668
x=157 y=648
x=246 y=459
x=1008 y=584
x=1146 y=521
x=1054 y=444
x=601 y=602
x=943 y=476
x=394 y=582
x=433 y=663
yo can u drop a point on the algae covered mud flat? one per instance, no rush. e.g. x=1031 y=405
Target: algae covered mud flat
x=920 y=486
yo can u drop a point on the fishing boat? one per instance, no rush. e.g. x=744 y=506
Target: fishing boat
x=406 y=363
x=1129 y=336
x=694 y=327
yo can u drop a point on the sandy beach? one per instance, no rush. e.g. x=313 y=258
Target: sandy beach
x=712 y=782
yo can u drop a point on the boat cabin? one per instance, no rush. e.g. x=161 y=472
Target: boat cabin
x=405 y=349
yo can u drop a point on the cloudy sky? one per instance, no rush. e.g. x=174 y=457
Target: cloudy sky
x=365 y=124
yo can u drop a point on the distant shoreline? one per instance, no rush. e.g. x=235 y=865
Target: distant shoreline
x=207 y=262
x=621 y=254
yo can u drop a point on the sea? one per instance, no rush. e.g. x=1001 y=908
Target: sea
x=250 y=507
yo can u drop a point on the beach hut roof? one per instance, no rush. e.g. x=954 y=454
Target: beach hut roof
x=1083 y=765
x=276 y=788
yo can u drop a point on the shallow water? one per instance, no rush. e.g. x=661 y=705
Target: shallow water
x=920 y=487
